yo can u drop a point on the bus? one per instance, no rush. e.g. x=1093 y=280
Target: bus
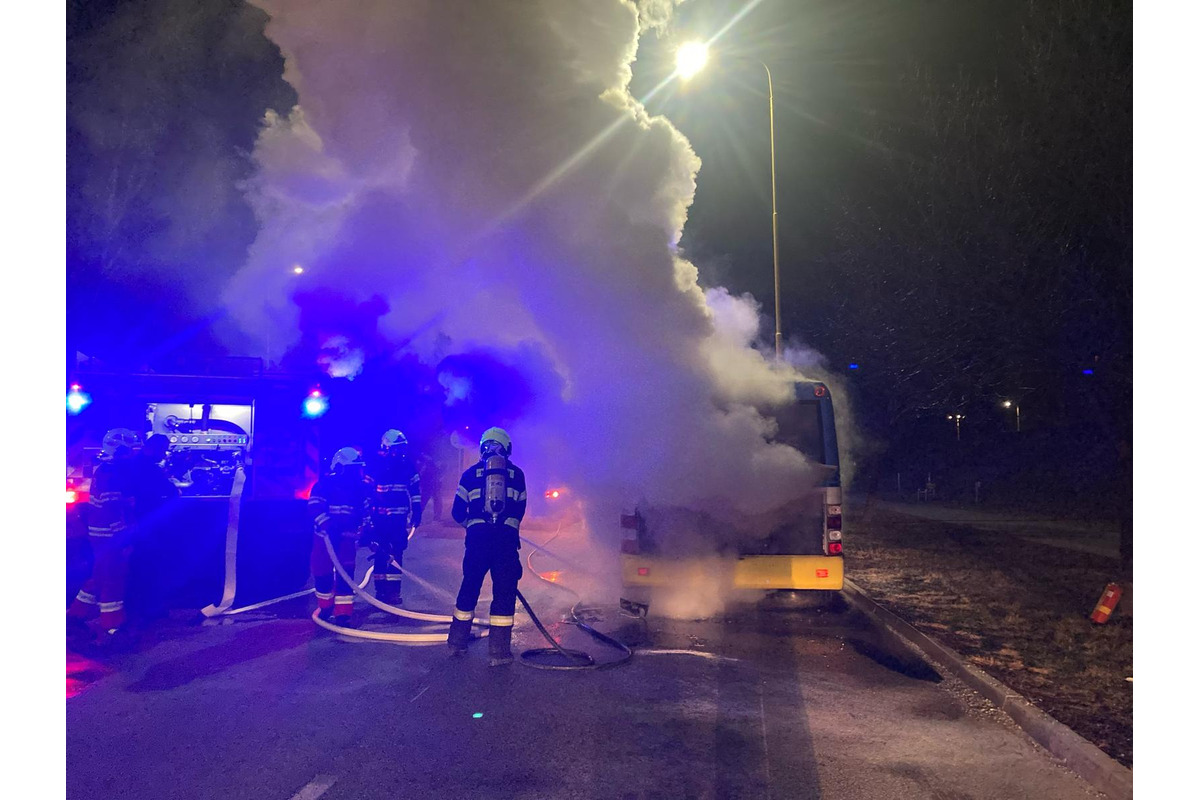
x=803 y=554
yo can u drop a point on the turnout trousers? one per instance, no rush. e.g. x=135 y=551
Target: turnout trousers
x=333 y=593
x=492 y=551
x=392 y=542
x=103 y=594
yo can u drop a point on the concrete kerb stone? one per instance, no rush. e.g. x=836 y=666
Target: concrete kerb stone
x=1084 y=758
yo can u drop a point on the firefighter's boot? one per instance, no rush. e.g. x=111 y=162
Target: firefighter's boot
x=460 y=635
x=499 y=645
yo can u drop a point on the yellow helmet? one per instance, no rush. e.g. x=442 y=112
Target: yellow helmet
x=498 y=435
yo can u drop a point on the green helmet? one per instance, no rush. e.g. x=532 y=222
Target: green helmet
x=498 y=435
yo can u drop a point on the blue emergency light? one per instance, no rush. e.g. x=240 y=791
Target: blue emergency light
x=854 y=366
x=77 y=400
x=315 y=405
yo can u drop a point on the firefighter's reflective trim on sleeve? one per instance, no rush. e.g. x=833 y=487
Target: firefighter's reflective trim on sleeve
x=479 y=473
x=324 y=595
x=100 y=533
x=474 y=494
x=341 y=509
x=462 y=493
x=392 y=487
x=416 y=499
x=343 y=600
x=386 y=512
x=515 y=495
x=512 y=522
x=321 y=518
x=512 y=473
x=464 y=616
x=316 y=500
x=115 y=605
x=388 y=576
x=87 y=597
x=497 y=621
x=471 y=522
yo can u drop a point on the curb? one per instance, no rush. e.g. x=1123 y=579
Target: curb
x=1084 y=758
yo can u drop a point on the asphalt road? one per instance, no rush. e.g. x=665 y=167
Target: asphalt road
x=759 y=704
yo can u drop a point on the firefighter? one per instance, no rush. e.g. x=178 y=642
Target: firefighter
x=110 y=520
x=395 y=510
x=150 y=569
x=339 y=504
x=490 y=504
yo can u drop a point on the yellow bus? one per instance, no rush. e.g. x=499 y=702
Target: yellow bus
x=805 y=554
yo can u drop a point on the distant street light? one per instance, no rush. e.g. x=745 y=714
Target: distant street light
x=957 y=419
x=1011 y=404
x=690 y=58
x=297 y=270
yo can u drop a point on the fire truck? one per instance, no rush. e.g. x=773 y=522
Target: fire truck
x=243 y=454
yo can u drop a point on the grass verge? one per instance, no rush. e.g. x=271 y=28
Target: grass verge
x=1015 y=609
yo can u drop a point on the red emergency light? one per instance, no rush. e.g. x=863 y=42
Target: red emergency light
x=72 y=497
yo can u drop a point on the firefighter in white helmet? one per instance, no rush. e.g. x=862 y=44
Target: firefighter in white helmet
x=339 y=504
x=110 y=522
x=396 y=508
x=490 y=504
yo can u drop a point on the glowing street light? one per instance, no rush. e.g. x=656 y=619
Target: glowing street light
x=690 y=58
x=957 y=419
x=297 y=270
x=1011 y=404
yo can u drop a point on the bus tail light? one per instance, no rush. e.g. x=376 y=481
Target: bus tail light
x=835 y=548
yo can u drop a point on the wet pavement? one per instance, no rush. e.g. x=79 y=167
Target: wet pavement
x=809 y=703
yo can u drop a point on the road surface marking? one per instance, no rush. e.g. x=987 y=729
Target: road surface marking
x=418 y=694
x=315 y=788
x=700 y=653
x=766 y=754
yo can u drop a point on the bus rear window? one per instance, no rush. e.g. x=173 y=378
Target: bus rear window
x=800 y=427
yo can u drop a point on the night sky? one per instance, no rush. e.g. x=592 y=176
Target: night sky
x=954 y=190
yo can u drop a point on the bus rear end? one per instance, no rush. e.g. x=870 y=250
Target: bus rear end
x=802 y=554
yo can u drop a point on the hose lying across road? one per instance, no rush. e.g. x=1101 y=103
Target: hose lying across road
x=576 y=659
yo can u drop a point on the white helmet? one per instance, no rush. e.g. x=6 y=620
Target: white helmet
x=392 y=438
x=347 y=456
x=117 y=438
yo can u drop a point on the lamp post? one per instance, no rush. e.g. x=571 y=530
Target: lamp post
x=957 y=419
x=690 y=58
x=1011 y=404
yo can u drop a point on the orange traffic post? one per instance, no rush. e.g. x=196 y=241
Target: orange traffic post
x=1108 y=601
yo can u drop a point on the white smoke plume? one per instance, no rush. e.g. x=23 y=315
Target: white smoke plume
x=484 y=168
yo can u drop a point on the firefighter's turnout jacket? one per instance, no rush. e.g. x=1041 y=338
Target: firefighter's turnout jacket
x=397 y=500
x=469 y=507
x=338 y=505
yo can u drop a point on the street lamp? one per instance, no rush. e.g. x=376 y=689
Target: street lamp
x=690 y=58
x=957 y=419
x=1011 y=404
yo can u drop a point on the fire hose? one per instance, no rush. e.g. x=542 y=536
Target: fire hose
x=577 y=659
x=421 y=638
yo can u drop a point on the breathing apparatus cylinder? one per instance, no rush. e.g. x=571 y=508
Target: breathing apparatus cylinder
x=495 y=475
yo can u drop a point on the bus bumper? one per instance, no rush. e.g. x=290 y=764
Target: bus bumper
x=749 y=572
